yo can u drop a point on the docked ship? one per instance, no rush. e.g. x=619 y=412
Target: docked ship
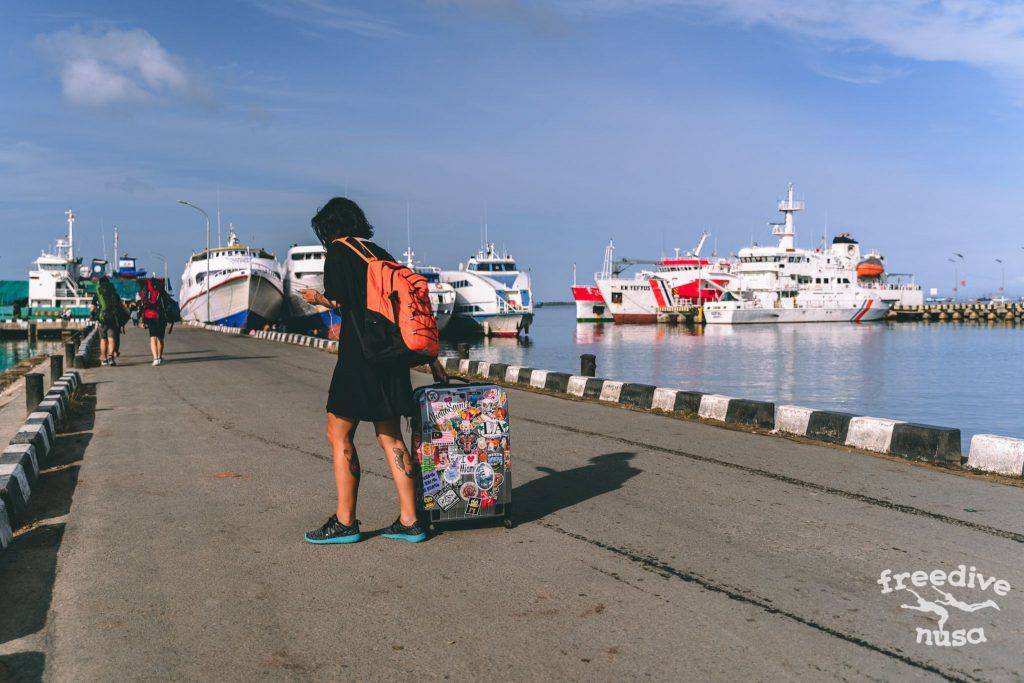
x=232 y=285
x=590 y=304
x=54 y=284
x=784 y=284
x=682 y=280
x=492 y=296
x=304 y=269
x=442 y=294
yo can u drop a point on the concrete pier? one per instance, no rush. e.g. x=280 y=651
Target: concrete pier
x=1009 y=312
x=165 y=541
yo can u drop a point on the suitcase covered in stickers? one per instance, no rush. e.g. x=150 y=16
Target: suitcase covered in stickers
x=460 y=440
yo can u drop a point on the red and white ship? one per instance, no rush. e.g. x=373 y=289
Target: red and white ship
x=590 y=305
x=681 y=280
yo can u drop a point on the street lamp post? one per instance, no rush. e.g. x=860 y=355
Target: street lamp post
x=207 y=278
x=164 y=259
x=956 y=277
x=1002 y=276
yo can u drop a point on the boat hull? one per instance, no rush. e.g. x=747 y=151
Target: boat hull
x=868 y=311
x=491 y=325
x=590 y=305
x=243 y=300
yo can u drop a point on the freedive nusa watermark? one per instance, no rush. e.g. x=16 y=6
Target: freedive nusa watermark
x=933 y=584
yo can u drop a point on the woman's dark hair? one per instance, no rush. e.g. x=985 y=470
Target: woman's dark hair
x=340 y=217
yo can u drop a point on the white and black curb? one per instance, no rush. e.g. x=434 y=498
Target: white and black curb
x=87 y=346
x=927 y=443
x=284 y=337
x=999 y=454
x=940 y=445
x=726 y=409
x=31 y=449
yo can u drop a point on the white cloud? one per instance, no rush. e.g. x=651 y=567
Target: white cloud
x=116 y=66
x=326 y=14
x=986 y=34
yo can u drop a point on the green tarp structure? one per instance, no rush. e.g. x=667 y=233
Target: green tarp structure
x=12 y=291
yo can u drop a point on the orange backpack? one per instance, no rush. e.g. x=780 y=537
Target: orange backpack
x=400 y=322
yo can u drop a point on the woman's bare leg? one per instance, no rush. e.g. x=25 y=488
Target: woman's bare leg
x=389 y=436
x=340 y=432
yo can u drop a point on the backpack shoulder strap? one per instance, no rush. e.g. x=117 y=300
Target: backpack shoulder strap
x=360 y=249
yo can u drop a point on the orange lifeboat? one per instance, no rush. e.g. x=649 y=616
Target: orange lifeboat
x=870 y=268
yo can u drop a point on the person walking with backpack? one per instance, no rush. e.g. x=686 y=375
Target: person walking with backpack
x=108 y=307
x=367 y=386
x=153 y=300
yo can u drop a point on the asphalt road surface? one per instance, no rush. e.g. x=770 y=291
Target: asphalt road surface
x=167 y=544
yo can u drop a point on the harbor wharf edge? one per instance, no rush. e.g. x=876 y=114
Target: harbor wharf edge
x=168 y=544
x=996 y=454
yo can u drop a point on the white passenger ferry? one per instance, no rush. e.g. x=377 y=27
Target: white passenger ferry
x=232 y=285
x=304 y=269
x=492 y=296
x=785 y=284
x=54 y=282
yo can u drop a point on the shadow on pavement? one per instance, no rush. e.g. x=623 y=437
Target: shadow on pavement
x=560 y=489
x=205 y=359
x=28 y=567
x=22 y=666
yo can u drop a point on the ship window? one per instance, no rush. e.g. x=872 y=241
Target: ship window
x=817 y=280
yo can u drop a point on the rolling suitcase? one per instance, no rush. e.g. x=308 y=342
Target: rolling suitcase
x=460 y=440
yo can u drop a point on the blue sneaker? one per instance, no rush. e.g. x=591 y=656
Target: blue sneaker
x=413 y=533
x=334 y=531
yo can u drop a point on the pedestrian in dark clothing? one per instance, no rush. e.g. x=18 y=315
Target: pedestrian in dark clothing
x=151 y=300
x=380 y=393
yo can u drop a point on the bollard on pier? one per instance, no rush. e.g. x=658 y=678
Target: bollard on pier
x=33 y=391
x=463 y=350
x=56 y=367
x=69 y=354
x=588 y=365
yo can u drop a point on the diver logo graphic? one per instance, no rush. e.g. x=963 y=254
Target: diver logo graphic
x=932 y=585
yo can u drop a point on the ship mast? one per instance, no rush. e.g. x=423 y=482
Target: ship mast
x=786 y=231
x=71 y=234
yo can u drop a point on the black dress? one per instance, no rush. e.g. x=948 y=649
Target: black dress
x=359 y=390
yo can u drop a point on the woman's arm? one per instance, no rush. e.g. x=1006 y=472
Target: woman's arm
x=317 y=299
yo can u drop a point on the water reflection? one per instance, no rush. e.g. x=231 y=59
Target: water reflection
x=938 y=373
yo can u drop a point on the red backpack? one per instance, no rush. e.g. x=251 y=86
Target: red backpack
x=400 y=323
x=151 y=309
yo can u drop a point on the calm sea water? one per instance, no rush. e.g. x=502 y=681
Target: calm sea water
x=14 y=351
x=965 y=375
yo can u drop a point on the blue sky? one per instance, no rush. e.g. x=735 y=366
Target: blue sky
x=569 y=122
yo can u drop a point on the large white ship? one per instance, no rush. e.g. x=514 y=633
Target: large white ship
x=784 y=284
x=492 y=296
x=232 y=285
x=54 y=282
x=687 y=279
x=304 y=269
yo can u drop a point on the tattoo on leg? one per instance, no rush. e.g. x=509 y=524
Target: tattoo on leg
x=353 y=461
x=402 y=460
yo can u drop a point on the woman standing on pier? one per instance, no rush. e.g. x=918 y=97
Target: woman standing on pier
x=380 y=393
